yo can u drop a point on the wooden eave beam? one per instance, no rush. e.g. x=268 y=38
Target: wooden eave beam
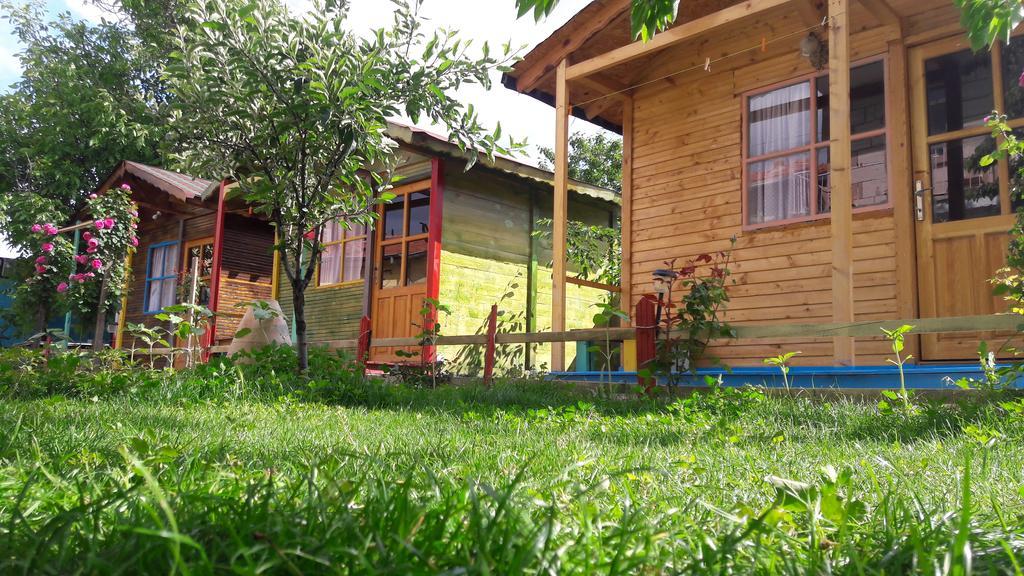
x=529 y=78
x=883 y=12
x=671 y=37
x=609 y=91
x=810 y=12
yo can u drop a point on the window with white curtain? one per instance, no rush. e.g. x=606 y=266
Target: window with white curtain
x=161 y=277
x=344 y=248
x=786 y=160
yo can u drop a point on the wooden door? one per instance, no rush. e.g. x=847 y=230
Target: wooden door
x=963 y=209
x=400 y=268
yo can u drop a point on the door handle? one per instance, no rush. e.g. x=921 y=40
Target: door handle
x=919 y=192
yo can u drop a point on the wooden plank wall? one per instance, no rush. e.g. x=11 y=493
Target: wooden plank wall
x=687 y=194
x=164 y=229
x=486 y=258
x=246 y=269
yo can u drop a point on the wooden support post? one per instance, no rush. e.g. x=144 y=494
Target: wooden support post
x=363 y=350
x=842 y=200
x=560 y=215
x=532 y=281
x=645 y=321
x=489 y=350
x=218 y=255
x=122 y=317
x=626 y=217
x=435 y=220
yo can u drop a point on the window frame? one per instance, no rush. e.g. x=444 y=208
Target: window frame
x=813 y=147
x=150 y=279
x=343 y=242
x=186 y=253
x=403 y=241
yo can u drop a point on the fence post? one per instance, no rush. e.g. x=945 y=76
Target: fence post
x=646 y=337
x=492 y=329
x=363 y=351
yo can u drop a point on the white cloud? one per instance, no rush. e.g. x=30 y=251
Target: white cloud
x=87 y=10
x=10 y=66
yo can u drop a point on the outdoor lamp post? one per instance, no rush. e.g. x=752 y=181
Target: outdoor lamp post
x=663 y=280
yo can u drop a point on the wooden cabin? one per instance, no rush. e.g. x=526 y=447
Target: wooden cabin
x=838 y=142
x=461 y=237
x=186 y=226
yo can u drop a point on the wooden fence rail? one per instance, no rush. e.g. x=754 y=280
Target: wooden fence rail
x=948 y=325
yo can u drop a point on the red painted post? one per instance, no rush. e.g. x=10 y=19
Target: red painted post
x=363 y=352
x=436 y=219
x=492 y=330
x=218 y=255
x=646 y=337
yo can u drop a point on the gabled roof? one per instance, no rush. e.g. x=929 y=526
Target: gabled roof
x=430 y=142
x=181 y=186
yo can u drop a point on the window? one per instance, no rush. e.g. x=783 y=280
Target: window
x=962 y=89
x=161 y=277
x=199 y=256
x=342 y=258
x=786 y=165
x=404 y=237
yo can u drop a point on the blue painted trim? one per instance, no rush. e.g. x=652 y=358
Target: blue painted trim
x=922 y=377
x=149 y=279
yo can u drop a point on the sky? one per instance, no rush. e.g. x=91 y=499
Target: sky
x=481 y=20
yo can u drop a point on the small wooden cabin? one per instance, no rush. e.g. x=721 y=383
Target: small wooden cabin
x=185 y=226
x=462 y=237
x=838 y=141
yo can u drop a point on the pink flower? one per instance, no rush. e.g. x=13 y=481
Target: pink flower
x=135 y=213
x=100 y=224
x=93 y=196
x=36 y=228
x=88 y=275
x=91 y=249
x=125 y=187
x=93 y=242
x=81 y=258
x=41 y=260
x=96 y=264
x=50 y=229
x=40 y=269
x=134 y=225
x=62 y=287
x=135 y=241
x=1020 y=81
x=86 y=236
x=110 y=223
x=47 y=247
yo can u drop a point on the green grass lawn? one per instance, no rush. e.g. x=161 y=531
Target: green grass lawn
x=524 y=478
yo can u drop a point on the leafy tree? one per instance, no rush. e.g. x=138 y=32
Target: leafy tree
x=595 y=159
x=295 y=109
x=989 y=21
x=648 y=17
x=90 y=96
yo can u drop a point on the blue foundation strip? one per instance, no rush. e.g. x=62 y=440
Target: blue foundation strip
x=920 y=377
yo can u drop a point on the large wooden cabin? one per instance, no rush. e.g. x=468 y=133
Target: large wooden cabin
x=462 y=237
x=838 y=142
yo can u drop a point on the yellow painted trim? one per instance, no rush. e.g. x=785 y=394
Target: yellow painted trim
x=629 y=355
x=348 y=284
x=123 y=319
x=275 y=276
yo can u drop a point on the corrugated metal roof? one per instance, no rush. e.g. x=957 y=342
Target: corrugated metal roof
x=181 y=186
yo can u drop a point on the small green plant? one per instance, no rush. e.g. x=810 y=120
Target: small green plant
x=150 y=336
x=430 y=329
x=782 y=361
x=897 y=339
x=189 y=322
x=603 y=319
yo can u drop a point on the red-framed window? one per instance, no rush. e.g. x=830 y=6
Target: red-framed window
x=786 y=148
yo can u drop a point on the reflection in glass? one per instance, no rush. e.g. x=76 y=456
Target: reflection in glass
x=867 y=97
x=959 y=88
x=391 y=266
x=330 y=264
x=1013 y=63
x=961 y=188
x=416 y=273
x=868 y=173
x=824 y=181
x=394 y=217
x=779 y=120
x=419 y=213
x=778 y=188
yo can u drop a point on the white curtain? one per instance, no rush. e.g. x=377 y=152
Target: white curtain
x=780 y=120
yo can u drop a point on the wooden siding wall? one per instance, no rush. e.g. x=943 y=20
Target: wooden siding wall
x=486 y=258
x=166 y=228
x=246 y=269
x=687 y=194
x=332 y=312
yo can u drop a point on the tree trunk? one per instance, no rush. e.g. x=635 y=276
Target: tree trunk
x=42 y=315
x=101 y=317
x=299 y=309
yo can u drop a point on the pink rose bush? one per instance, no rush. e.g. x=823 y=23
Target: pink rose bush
x=105 y=247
